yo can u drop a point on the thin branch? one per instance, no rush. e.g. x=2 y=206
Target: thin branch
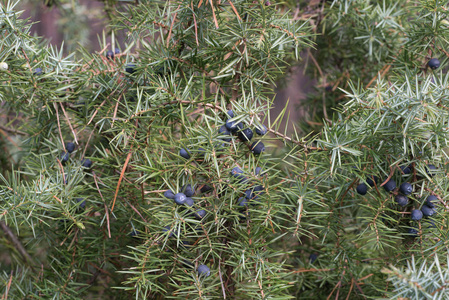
x=16 y=242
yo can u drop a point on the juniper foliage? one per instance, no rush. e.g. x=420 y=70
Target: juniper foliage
x=102 y=222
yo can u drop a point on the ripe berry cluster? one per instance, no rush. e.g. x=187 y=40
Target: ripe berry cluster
x=86 y=163
x=428 y=207
x=244 y=134
x=252 y=194
x=185 y=198
x=65 y=155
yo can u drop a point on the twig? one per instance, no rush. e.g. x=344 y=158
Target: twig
x=16 y=242
x=12 y=130
x=59 y=125
x=5 y=295
x=70 y=125
x=121 y=178
x=105 y=207
x=196 y=26
x=221 y=280
x=171 y=27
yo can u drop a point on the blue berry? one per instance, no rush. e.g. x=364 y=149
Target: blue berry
x=230 y=113
x=167 y=229
x=413 y=232
x=82 y=204
x=406 y=169
x=224 y=131
x=37 y=71
x=130 y=68
x=87 y=163
x=401 y=200
x=201 y=151
x=257 y=147
x=205 y=188
x=233 y=126
x=189 y=201
x=184 y=153
x=110 y=55
x=427 y=211
x=70 y=147
x=246 y=135
x=135 y=234
x=406 y=188
x=117 y=51
x=261 y=130
x=254 y=192
x=416 y=215
x=362 y=189
x=434 y=63
x=313 y=257
x=243 y=202
x=188 y=190
x=430 y=201
x=199 y=214
x=235 y=171
x=169 y=194
x=390 y=185
x=203 y=270
x=180 y=198
x=371 y=180
x=64 y=157
x=430 y=170
x=258 y=170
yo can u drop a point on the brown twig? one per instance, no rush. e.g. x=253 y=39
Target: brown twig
x=16 y=242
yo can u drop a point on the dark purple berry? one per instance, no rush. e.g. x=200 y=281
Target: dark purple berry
x=233 y=127
x=261 y=130
x=230 y=113
x=434 y=63
x=199 y=214
x=189 y=201
x=203 y=270
x=110 y=55
x=243 y=202
x=416 y=215
x=430 y=170
x=167 y=229
x=431 y=200
x=401 y=200
x=406 y=169
x=180 y=198
x=169 y=194
x=390 y=185
x=130 y=68
x=37 y=71
x=257 y=147
x=362 y=189
x=235 y=171
x=246 y=135
x=184 y=153
x=82 y=204
x=188 y=190
x=406 y=188
x=427 y=211
x=313 y=257
x=224 y=131
x=70 y=147
x=370 y=180
x=413 y=232
x=64 y=157
x=87 y=163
